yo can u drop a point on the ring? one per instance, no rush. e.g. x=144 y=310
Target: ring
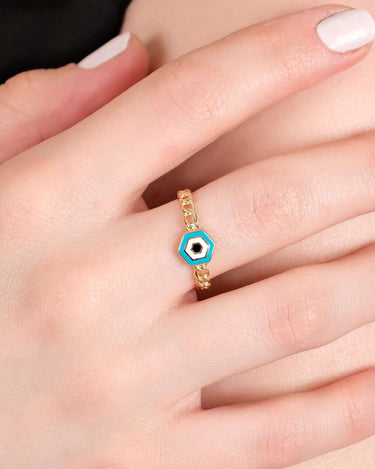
x=196 y=247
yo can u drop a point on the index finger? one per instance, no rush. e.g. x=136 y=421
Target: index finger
x=193 y=100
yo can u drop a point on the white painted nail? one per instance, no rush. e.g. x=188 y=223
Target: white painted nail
x=106 y=52
x=347 y=30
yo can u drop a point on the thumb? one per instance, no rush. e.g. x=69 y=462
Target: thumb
x=38 y=104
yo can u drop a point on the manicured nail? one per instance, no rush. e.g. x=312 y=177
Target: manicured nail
x=347 y=30
x=109 y=50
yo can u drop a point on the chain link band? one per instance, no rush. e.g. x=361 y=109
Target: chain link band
x=201 y=272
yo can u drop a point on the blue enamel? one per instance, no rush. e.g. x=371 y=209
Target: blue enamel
x=195 y=234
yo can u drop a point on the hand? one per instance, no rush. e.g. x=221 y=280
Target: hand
x=339 y=107
x=104 y=352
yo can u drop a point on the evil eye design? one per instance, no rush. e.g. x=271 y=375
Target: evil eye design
x=196 y=248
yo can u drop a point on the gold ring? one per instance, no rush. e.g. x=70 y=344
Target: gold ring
x=196 y=247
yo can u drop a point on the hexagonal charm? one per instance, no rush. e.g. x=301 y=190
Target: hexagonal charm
x=196 y=247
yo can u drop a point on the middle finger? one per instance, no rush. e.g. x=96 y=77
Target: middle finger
x=187 y=104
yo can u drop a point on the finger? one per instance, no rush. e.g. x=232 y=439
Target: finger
x=38 y=104
x=280 y=432
x=353 y=234
x=268 y=205
x=302 y=309
x=190 y=102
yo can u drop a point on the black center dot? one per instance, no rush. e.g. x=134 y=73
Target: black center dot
x=197 y=248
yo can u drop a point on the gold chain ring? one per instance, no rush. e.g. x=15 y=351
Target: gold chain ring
x=196 y=247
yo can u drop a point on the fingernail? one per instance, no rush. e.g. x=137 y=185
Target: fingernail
x=106 y=52
x=347 y=30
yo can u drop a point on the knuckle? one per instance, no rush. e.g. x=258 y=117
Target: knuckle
x=23 y=97
x=73 y=288
x=46 y=303
x=286 y=442
x=20 y=92
x=89 y=388
x=296 y=319
x=61 y=300
x=286 y=64
x=14 y=207
x=364 y=147
x=20 y=205
x=354 y=414
x=267 y=206
x=190 y=92
x=26 y=210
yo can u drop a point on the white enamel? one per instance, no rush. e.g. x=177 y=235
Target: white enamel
x=347 y=30
x=196 y=255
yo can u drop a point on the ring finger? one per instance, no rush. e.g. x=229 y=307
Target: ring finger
x=268 y=205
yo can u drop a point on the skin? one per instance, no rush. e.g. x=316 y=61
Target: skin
x=104 y=350
x=341 y=106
